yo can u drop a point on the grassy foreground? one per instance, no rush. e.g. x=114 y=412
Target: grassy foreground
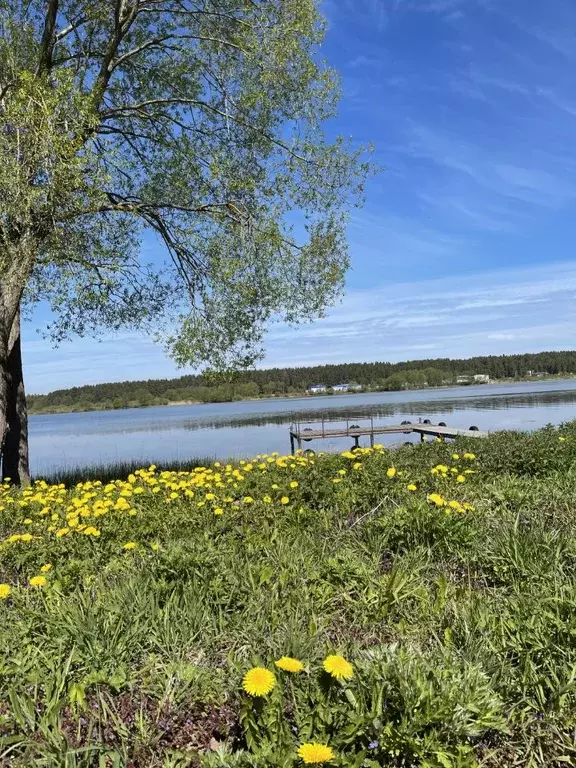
x=429 y=595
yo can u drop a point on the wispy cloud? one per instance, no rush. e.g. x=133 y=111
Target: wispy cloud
x=525 y=309
x=489 y=167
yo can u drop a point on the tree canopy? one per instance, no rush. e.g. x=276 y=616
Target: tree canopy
x=199 y=122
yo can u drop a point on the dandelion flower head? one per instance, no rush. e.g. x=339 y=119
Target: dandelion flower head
x=314 y=754
x=288 y=664
x=338 y=667
x=258 y=681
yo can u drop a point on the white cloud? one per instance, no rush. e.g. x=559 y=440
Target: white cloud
x=490 y=167
x=516 y=310
x=457 y=316
x=503 y=336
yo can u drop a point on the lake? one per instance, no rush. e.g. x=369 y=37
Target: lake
x=245 y=429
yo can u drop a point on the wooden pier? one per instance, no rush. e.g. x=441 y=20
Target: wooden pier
x=301 y=433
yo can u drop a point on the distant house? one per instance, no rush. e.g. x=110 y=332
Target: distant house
x=317 y=389
x=347 y=387
x=478 y=378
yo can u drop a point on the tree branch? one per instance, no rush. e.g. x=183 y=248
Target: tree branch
x=70 y=28
x=48 y=38
x=140 y=110
x=123 y=19
x=158 y=43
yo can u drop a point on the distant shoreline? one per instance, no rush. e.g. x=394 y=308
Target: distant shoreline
x=305 y=395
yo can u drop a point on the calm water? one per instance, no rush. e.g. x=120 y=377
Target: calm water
x=245 y=429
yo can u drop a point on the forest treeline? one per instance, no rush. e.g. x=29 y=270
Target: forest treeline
x=280 y=382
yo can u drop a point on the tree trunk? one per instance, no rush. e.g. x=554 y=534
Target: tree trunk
x=16 y=263
x=15 y=454
x=3 y=388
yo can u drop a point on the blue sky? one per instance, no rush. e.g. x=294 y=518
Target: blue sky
x=466 y=243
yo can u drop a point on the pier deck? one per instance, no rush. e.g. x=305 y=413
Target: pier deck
x=302 y=434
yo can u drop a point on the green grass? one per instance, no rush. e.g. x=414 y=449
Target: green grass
x=460 y=625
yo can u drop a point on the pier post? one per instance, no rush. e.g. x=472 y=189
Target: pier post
x=292 y=443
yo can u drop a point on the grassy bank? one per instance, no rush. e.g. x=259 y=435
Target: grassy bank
x=117 y=470
x=430 y=595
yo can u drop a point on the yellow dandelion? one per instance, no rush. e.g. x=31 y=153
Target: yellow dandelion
x=294 y=484
x=469 y=456
x=391 y=472
x=288 y=664
x=258 y=681
x=130 y=545
x=5 y=590
x=338 y=667
x=461 y=479
x=38 y=581
x=248 y=500
x=218 y=511
x=412 y=487
x=267 y=499
x=62 y=532
x=154 y=547
x=284 y=500
x=45 y=568
x=435 y=498
x=315 y=754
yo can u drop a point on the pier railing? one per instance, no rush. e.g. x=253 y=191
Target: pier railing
x=304 y=433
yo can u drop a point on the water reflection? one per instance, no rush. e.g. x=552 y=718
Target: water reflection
x=386 y=410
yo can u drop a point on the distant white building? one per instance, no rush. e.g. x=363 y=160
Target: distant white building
x=478 y=378
x=347 y=387
x=317 y=389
